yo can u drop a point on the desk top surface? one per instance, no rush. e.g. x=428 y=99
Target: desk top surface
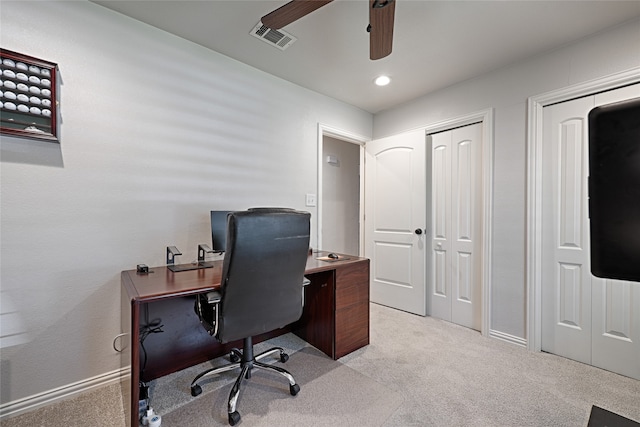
x=162 y=283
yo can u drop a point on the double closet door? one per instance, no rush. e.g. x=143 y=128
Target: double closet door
x=584 y=318
x=455 y=243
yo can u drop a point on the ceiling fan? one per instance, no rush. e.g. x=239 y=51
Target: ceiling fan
x=380 y=29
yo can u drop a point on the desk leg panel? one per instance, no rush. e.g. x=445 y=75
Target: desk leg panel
x=352 y=308
x=316 y=326
x=129 y=351
x=352 y=329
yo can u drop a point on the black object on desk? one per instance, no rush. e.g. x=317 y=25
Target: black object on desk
x=176 y=268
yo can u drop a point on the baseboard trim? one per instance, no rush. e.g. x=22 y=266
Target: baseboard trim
x=512 y=339
x=49 y=397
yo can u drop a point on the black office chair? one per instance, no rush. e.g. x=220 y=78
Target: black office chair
x=261 y=289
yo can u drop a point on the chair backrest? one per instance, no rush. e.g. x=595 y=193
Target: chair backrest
x=263 y=271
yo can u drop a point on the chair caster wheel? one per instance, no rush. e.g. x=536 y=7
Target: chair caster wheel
x=234 y=358
x=196 y=390
x=284 y=357
x=234 y=418
x=294 y=389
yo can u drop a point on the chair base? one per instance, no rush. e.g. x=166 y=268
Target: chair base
x=246 y=361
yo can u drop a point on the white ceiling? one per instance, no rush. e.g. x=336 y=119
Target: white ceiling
x=436 y=43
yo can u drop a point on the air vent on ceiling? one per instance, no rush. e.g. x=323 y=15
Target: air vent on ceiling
x=278 y=38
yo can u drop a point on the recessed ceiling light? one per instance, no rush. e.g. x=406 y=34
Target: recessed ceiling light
x=382 y=80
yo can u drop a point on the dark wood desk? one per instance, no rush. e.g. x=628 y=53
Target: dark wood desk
x=335 y=318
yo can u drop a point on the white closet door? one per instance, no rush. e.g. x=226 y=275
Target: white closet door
x=584 y=318
x=456 y=226
x=566 y=291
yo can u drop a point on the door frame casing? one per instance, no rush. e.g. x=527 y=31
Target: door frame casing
x=349 y=137
x=486 y=118
x=535 y=105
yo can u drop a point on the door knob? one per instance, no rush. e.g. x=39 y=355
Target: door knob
x=418 y=231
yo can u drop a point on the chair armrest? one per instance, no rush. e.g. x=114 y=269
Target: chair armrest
x=214 y=297
x=206 y=307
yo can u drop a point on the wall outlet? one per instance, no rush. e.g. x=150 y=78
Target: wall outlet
x=310 y=200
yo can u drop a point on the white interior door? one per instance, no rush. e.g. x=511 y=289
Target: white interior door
x=455 y=273
x=395 y=188
x=584 y=318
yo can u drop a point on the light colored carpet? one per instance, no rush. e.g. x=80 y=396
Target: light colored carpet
x=452 y=376
x=331 y=394
x=100 y=407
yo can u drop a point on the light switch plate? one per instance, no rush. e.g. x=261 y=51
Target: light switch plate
x=310 y=200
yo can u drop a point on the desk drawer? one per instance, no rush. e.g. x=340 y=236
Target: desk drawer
x=352 y=284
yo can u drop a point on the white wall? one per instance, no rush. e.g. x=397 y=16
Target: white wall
x=156 y=131
x=341 y=197
x=506 y=91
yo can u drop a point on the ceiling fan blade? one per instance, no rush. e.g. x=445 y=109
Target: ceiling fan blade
x=381 y=17
x=291 y=12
